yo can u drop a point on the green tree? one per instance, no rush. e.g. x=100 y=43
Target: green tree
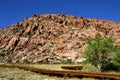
x=98 y=51
x=115 y=57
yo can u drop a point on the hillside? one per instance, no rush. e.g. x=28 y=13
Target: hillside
x=52 y=38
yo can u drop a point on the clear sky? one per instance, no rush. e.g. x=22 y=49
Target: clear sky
x=13 y=11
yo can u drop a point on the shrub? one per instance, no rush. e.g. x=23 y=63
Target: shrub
x=89 y=68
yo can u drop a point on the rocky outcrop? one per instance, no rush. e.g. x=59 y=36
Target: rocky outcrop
x=12 y=43
x=52 y=38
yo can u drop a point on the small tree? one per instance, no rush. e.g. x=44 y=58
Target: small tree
x=98 y=51
x=115 y=57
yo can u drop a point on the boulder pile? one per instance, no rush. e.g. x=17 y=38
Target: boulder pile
x=52 y=38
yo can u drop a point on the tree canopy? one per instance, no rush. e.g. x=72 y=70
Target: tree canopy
x=99 y=50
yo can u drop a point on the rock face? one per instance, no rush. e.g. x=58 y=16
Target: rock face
x=52 y=38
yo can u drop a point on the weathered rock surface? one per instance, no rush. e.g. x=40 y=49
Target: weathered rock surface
x=52 y=38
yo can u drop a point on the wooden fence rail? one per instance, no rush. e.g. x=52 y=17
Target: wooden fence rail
x=72 y=67
x=65 y=73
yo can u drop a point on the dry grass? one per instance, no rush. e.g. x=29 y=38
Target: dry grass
x=17 y=74
x=51 y=66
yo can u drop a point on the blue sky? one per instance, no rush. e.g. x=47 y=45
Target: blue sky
x=13 y=11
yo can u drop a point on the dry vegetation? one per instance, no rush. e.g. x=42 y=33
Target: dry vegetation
x=17 y=74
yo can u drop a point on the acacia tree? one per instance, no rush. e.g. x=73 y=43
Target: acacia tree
x=98 y=51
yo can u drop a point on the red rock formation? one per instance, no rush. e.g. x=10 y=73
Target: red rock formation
x=32 y=39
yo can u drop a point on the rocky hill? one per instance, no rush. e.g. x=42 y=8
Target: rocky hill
x=52 y=38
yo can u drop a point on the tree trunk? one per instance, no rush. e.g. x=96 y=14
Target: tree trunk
x=99 y=66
